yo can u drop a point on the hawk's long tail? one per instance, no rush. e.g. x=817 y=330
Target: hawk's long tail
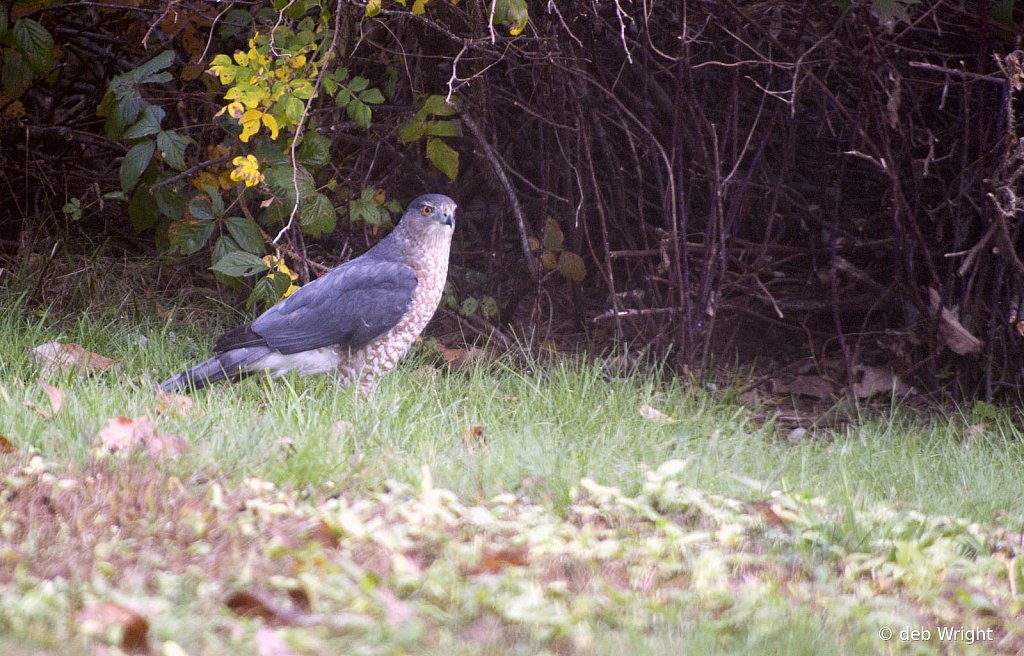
x=233 y=364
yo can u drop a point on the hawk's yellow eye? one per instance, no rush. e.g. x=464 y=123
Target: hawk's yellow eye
x=428 y=209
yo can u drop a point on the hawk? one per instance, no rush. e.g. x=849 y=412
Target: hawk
x=357 y=320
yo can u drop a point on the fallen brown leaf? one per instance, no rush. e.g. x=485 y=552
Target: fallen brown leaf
x=770 y=517
x=496 y=559
x=6 y=447
x=126 y=434
x=160 y=445
x=56 y=395
x=36 y=409
x=55 y=357
x=175 y=404
x=97 y=619
x=647 y=412
x=473 y=438
x=258 y=603
x=869 y=381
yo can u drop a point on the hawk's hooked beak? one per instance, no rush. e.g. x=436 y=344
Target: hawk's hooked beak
x=448 y=216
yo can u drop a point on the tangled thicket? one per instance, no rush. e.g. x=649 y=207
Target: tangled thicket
x=841 y=176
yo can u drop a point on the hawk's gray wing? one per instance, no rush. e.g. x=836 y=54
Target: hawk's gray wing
x=348 y=306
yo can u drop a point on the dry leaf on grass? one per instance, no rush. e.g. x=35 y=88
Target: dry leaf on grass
x=56 y=395
x=259 y=603
x=98 y=619
x=460 y=357
x=6 y=447
x=171 y=403
x=36 y=409
x=647 y=412
x=55 y=357
x=125 y=434
x=473 y=438
x=496 y=559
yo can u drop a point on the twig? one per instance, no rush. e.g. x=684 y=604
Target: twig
x=967 y=75
x=617 y=314
x=492 y=156
x=187 y=172
x=302 y=121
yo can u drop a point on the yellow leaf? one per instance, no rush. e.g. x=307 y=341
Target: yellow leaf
x=247 y=169
x=235 y=110
x=241 y=58
x=298 y=61
x=250 y=123
x=271 y=123
x=204 y=178
x=419 y=7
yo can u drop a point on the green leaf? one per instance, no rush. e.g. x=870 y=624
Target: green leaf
x=146 y=73
x=554 y=239
x=488 y=306
x=239 y=263
x=437 y=106
x=469 y=307
x=35 y=43
x=126 y=111
x=73 y=209
x=234 y=21
x=135 y=162
x=315 y=150
x=288 y=110
x=360 y=113
x=441 y=129
x=187 y=238
x=297 y=9
x=372 y=96
x=142 y=209
x=264 y=292
x=202 y=209
x=216 y=202
x=170 y=201
x=279 y=179
x=413 y=130
x=443 y=156
x=269 y=153
x=372 y=8
x=357 y=84
x=17 y=75
x=571 y=266
x=317 y=216
x=513 y=12
x=148 y=123
x=246 y=233
x=172 y=145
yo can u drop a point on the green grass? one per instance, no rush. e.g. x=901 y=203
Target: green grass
x=869 y=499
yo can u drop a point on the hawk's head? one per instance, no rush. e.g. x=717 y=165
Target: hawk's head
x=431 y=212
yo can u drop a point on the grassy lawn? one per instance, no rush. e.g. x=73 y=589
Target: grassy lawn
x=514 y=506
